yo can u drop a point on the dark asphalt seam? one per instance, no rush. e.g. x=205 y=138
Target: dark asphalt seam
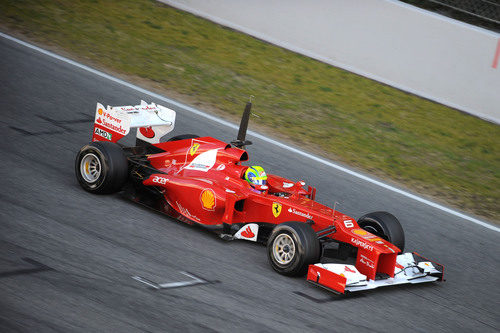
x=318 y=300
x=39 y=268
x=57 y=123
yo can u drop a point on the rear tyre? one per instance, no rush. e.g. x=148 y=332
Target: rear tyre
x=292 y=247
x=384 y=225
x=101 y=167
x=183 y=137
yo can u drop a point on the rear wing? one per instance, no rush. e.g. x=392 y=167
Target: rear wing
x=151 y=120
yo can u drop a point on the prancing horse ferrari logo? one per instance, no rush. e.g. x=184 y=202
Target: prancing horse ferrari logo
x=276 y=209
x=194 y=148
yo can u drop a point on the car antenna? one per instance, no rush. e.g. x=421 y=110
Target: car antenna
x=241 y=141
x=334 y=206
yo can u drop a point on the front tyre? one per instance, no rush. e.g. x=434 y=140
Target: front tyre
x=292 y=247
x=384 y=225
x=101 y=167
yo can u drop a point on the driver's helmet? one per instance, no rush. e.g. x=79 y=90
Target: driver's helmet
x=256 y=177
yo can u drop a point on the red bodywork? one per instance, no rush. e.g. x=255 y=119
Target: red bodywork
x=202 y=181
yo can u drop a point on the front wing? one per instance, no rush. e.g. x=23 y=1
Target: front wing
x=411 y=268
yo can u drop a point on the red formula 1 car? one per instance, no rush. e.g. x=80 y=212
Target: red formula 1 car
x=201 y=180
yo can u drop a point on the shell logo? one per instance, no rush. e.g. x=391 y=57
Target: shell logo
x=207 y=198
x=360 y=232
x=99 y=111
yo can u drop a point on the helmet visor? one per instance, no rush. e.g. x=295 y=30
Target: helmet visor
x=257 y=181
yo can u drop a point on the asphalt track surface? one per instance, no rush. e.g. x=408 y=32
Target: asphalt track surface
x=67 y=257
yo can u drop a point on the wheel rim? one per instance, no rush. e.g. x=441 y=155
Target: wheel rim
x=90 y=168
x=283 y=249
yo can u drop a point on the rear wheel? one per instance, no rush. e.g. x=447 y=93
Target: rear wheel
x=292 y=247
x=101 y=167
x=384 y=225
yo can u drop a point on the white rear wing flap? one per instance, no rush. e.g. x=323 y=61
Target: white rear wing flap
x=151 y=120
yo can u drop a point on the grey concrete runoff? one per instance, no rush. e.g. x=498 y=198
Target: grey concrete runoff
x=67 y=257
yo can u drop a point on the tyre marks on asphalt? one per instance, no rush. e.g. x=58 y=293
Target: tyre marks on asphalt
x=38 y=267
x=60 y=124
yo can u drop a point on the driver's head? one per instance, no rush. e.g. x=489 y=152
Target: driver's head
x=256 y=177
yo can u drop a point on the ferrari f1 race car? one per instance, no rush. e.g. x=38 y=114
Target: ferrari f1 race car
x=202 y=180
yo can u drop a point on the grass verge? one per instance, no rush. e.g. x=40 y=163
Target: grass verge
x=422 y=145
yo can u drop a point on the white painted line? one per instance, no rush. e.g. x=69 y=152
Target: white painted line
x=254 y=134
x=171 y=285
x=146 y=282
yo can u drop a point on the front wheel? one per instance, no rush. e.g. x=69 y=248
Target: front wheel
x=292 y=247
x=101 y=167
x=384 y=225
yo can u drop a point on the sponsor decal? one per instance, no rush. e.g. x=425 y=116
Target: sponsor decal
x=369 y=236
x=99 y=111
x=169 y=162
x=366 y=261
x=276 y=209
x=113 y=123
x=390 y=248
x=375 y=239
x=299 y=213
x=348 y=224
x=247 y=233
x=204 y=161
x=287 y=185
x=186 y=212
x=147 y=132
x=359 y=232
x=194 y=148
x=103 y=133
x=221 y=167
x=136 y=108
x=361 y=244
x=347 y=269
x=207 y=198
x=159 y=180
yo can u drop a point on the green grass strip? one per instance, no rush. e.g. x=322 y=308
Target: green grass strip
x=422 y=145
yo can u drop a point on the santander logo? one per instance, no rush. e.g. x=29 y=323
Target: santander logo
x=299 y=213
x=247 y=233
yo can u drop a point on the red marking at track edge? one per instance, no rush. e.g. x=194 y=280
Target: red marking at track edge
x=497 y=55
